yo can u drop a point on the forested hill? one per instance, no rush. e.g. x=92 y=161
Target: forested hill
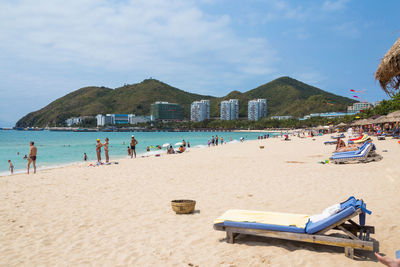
x=285 y=96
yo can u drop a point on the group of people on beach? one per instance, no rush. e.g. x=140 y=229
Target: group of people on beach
x=31 y=159
x=99 y=145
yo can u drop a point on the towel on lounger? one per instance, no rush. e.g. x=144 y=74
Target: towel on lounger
x=265 y=217
x=329 y=211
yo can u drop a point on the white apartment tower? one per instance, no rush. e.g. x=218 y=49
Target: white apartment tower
x=257 y=109
x=230 y=109
x=200 y=110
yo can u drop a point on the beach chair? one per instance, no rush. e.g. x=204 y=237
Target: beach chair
x=339 y=136
x=330 y=142
x=366 y=154
x=299 y=227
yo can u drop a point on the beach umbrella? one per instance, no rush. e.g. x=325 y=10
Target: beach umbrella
x=179 y=144
x=393 y=117
x=388 y=72
x=342 y=124
x=166 y=145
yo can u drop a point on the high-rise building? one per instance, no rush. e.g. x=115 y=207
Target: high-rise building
x=200 y=110
x=166 y=111
x=257 y=109
x=230 y=109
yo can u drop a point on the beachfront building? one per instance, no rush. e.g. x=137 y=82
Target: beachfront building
x=230 y=109
x=138 y=119
x=73 y=120
x=200 y=110
x=281 y=117
x=257 y=109
x=164 y=111
x=358 y=106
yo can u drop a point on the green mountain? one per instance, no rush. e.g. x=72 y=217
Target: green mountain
x=285 y=96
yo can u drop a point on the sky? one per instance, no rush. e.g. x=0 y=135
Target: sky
x=51 y=48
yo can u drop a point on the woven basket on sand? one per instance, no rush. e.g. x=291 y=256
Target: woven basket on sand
x=183 y=206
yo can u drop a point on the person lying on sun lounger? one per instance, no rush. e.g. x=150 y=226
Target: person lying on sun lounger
x=343 y=148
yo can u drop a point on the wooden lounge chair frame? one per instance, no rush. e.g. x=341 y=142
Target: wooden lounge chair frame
x=358 y=237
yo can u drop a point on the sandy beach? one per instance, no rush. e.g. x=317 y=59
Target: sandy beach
x=120 y=215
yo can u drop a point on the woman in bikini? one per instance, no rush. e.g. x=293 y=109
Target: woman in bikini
x=98 y=150
x=106 y=149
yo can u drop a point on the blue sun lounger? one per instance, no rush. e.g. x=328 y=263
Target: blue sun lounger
x=365 y=154
x=359 y=150
x=337 y=137
x=330 y=142
x=299 y=227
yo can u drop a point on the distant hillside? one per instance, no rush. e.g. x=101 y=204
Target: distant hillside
x=285 y=96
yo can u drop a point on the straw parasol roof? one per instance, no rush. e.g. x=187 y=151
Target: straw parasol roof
x=361 y=122
x=320 y=127
x=393 y=117
x=388 y=72
x=342 y=124
x=381 y=119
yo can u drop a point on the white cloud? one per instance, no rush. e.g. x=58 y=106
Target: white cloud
x=334 y=5
x=150 y=36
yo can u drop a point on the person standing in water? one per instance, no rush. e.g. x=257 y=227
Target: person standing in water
x=134 y=142
x=98 y=150
x=32 y=156
x=106 y=149
x=11 y=166
x=84 y=157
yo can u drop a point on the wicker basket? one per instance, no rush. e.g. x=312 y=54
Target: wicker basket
x=183 y=206
x=261 y=147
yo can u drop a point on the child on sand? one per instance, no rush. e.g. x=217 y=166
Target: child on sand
x=11 y=168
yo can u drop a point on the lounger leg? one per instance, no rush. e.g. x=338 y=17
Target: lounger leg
x=230 y=237
x=349 y=252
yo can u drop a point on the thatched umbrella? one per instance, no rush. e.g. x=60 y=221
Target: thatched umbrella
x=381 y=119
x=342 y=124
x=320 y=127
x=393 y=117
x=388 y=72
x=362 y=122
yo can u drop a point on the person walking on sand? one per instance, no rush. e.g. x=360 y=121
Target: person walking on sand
x=106 y=149
x=134 y=142
x=11 y=168
x=32 y=156
x=98 y=150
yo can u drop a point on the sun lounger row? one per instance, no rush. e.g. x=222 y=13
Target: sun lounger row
x=301 y=227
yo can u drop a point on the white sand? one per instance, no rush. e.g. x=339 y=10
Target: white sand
x=120 y=215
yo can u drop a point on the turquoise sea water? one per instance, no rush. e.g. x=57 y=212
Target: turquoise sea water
x=60 y=148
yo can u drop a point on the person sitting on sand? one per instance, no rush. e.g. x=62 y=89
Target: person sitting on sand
x=181 y=149
x=170 y=150
x=11 y=168
x=98 y=150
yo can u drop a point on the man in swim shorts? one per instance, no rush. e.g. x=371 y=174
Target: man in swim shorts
x=32 y=156
x=134 y=142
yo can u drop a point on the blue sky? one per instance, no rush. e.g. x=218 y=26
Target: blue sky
x=51 y=48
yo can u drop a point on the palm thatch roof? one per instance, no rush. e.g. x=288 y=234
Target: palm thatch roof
x=342 y=124
x=388 y=72
x=393 y=117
